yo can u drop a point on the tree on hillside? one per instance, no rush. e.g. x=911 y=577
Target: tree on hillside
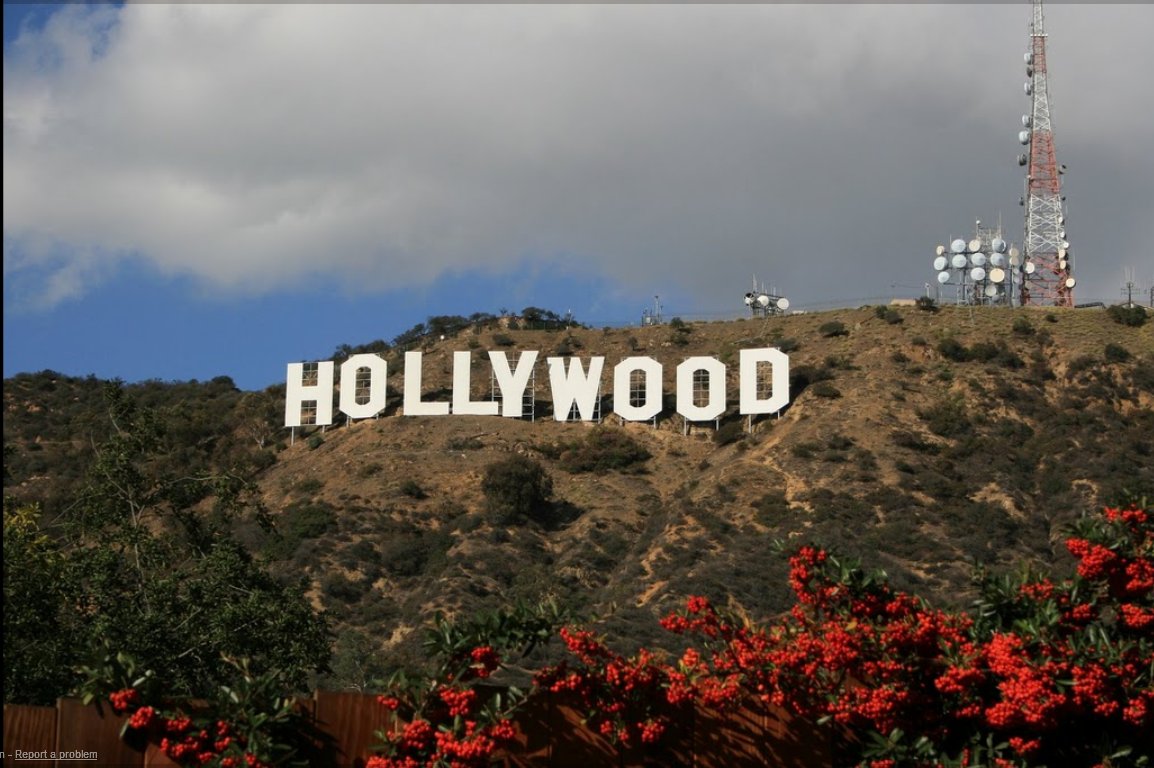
x=147 y=562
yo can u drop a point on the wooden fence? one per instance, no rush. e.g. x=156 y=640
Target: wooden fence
x=550 y=734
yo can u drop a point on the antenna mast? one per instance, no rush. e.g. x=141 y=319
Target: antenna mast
x=1049 y=266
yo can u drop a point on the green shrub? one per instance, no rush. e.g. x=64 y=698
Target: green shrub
x=516 y=489
x=947 y=418
x=927 y=304
x=314 y=442
x=1116 y=353
x=413 y=489
x=1133 y=316
x=789 y=345
x=825 y=389
x=503 y=340
x=730 y=432
x=309 y=486
x=1023 y=327
x=952 y=349
x=601 y=450
x=299 y=522
x=833 y=328
x=890 y=315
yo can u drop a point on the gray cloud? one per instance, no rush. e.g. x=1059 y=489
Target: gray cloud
x=824 y=148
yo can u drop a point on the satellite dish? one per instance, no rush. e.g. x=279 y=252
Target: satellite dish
x=999 y=245
x=1065 y=243
x=1028 y=57
x=1021 y=159
x=1024 y=136
x=943 y=277
x=959 y=261
x=978 y=274
x=939 y=250
x=1029 y=71
x=1030 y=267
x=1027 y=121
x=975 y=244
x=1062 y=253
x=748 y=299
x=997 y=274
x=978 y=259
x=998 y=259
x=958 y=246
x=1029 y=88
x=1062 y=264
x=1062 y=233
x=763 y=300
x=783 y=303
x=991 y=290
x=1071 y=282
x=1016 y=260
x=1062 y=220
x=1014 y=251
x=940 y=263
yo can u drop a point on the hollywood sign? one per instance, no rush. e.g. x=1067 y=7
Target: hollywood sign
x=573 y=387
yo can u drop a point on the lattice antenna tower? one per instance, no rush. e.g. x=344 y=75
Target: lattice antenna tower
x=1050 y=279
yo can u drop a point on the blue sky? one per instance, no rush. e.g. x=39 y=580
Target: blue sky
x=203 y=190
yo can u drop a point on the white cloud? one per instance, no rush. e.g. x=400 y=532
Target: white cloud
x=261 y=146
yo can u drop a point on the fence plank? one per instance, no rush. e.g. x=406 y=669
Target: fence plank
x=574 y=744
x=346 y=725
x=31 y=730
x=791 y=742
x=95 y=731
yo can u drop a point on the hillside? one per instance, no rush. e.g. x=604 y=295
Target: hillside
x=924 y=443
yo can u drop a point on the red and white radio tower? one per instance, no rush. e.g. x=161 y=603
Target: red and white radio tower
x=1048 y=264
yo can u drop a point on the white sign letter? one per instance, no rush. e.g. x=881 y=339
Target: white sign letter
x=686 y=373
x=574 y=386
x=623 y=389
x=462 y=384
x=297 y=393
x=512 y=383
x=414 y=406
x=377 y=386
x=779 y=392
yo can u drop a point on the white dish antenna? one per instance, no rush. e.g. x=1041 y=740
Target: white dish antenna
x=1062 y=264
x=1029 y=88
x=1030 y=267
x=748 y=299
x=1024 y=136
x=1014 y=252
x=941 y=249
x=783 y=303
x=940 y=263
x=997 y=275
x=991 y=291
x=959 y=261
x=1028 y=57
x=943 y=277
x=998 y=259
x=975 y=244
x=1071 y=282
x=763 y=300
x=958 y=246
x=978 y=274
x=1026 y=121
x=978 y=259
x=999 y=245
x=1066 y=244
x=1061 y=253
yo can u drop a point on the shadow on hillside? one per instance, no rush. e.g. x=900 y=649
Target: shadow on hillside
x=559 y=515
